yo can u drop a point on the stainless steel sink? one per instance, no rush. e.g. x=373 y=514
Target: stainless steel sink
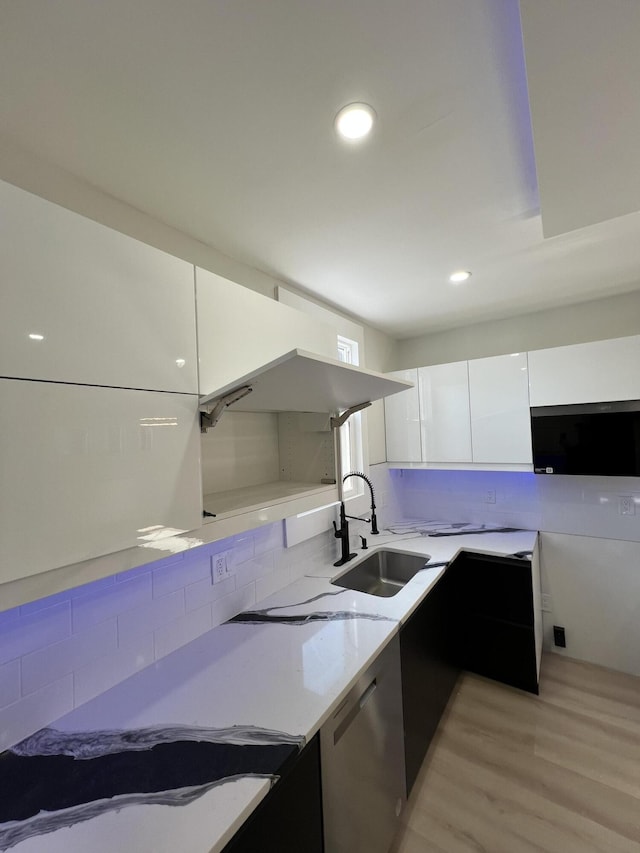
x=382 y=573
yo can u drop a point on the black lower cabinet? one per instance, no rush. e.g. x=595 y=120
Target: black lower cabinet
x=429 y=671
x=289 y=819
x=494 y=620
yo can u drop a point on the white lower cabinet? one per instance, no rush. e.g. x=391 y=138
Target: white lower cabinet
x=402 y=421
x=89 y=471
x=500 y=419
x=445 y=418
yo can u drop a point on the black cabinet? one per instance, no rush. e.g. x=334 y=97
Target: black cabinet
x=494 y=619
x=289 y=819
x=429 y=671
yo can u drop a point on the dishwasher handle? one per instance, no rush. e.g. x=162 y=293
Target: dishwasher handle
x=353 y=711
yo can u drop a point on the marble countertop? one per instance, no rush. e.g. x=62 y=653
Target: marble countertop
x=179 y=755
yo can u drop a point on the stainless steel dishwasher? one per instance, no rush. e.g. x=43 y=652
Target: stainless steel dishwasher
x=362 y=755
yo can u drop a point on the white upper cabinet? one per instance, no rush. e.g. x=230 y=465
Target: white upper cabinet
x=89 y=471
x=586 y=373
x=240 y=330
x=81 y=303
x=444 y=412
x=500 y=419
x=402 y=421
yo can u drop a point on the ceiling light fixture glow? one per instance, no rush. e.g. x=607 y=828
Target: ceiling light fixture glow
x=459 y=275
x=355 y=121
x=35 y=337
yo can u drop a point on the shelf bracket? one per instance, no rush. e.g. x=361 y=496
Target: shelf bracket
x=209 y=417
x=339 y=420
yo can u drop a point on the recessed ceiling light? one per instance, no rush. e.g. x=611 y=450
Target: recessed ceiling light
x=459 y=275
x=35 y=337
x=355 y=121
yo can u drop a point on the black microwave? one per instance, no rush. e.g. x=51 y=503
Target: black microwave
x=590 y=438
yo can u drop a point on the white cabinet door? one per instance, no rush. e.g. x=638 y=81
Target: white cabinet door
x=240 y=330
x=82 y=303
x=402 y=421
x=500 y=419
x=586 y=373
x=444 y=412
x=88 y=471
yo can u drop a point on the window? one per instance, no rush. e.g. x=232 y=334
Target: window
x=351 y=432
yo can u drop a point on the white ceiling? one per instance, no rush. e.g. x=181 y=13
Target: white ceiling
x=215 y=116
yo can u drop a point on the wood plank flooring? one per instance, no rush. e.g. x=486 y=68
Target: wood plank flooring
x=509 y=772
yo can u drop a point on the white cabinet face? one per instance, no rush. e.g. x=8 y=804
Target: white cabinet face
x=586 y=373
x=402 y=421
x=83 y=303
x=444 y=412
x=89 y=471
x=500 y=419
x=240 y=330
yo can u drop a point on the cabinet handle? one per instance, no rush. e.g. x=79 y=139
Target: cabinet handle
x=368 y=693
x=354 y=711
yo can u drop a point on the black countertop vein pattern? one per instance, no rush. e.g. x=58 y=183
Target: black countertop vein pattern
x=56 y=779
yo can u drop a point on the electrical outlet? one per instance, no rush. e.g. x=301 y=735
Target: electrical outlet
x=626 y=505
x=490 y=496
x=229 y=566
x=546 y=602
x=559 y=638
x=219 y=567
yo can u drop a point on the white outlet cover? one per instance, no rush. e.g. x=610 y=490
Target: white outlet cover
x=219 y=566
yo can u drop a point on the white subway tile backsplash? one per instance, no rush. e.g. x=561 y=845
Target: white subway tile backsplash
x=34 y=631
x=181 y=631
x=272 y=583
x=9 y=683
x=203 y=592
x=110 y=669
x=268 y=538
x=230 y=605
x=194 y=567
x=144 y=620
x=242 y=548
x=92 y=587
x=96 y=606
x=35 y=711
x=44 y=603
x=61 y=651
x=263 y=564
x=51 y=663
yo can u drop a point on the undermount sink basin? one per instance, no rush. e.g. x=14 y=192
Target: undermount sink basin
x=383 y=573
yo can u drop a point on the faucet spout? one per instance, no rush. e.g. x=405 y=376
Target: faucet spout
x=374 y=520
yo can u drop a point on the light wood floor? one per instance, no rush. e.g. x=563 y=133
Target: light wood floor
x=511 y=773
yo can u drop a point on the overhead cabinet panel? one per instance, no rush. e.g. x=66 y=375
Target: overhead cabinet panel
x=82 y=303
x=301 y=381
x=593 y=372
x=444 y=412
x=402 y=421
x=89 y=471
x=240 y=330
x=500 y=422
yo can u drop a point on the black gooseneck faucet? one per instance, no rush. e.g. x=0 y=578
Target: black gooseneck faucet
x=374 y=520
x=342 y=532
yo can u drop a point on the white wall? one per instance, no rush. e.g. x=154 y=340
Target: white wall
x=613 y=317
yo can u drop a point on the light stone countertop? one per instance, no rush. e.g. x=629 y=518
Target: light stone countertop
x=272 y=679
